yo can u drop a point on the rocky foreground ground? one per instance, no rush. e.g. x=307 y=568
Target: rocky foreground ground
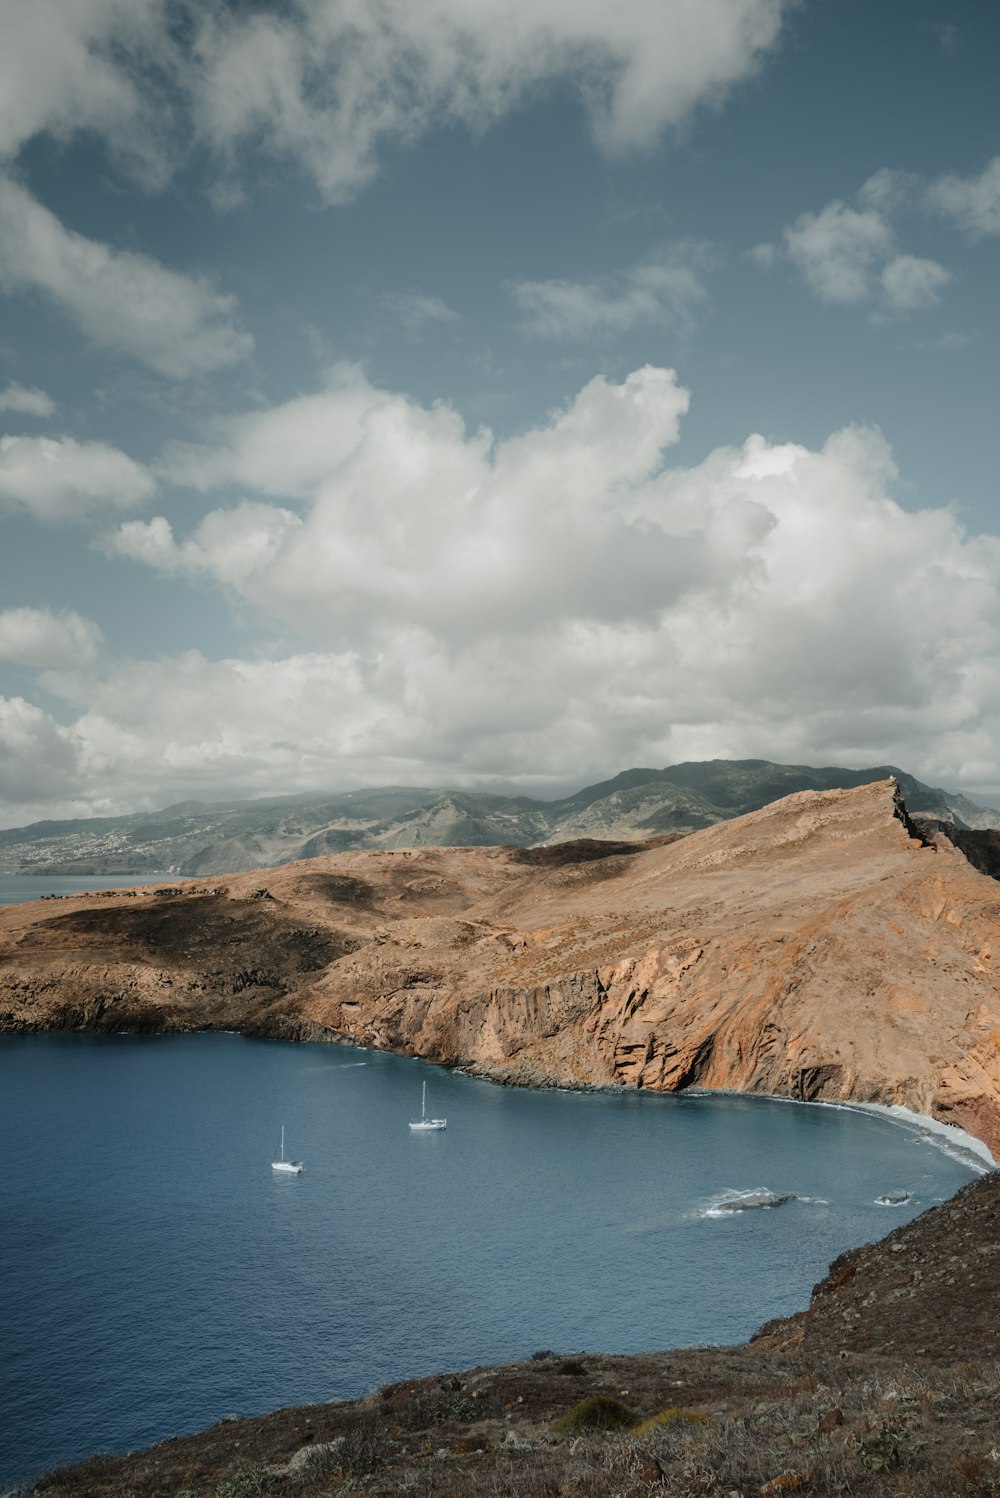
x=888 y=1384
x=820 y=948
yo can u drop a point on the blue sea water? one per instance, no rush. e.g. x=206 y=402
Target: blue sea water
x=17 y=889
x=156 y=1274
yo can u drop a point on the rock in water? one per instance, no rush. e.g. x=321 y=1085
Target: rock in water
x=892 y=1199
x=749 y=1201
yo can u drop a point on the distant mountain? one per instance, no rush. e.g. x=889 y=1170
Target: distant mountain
x=195 y=837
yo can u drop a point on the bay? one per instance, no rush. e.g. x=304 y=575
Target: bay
x=157 y=1275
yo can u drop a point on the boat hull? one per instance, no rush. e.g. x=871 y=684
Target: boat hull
x=288 y=1167
x=426 y=1125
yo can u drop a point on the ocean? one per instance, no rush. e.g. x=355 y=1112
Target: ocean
x=158 y=1275
x=17 y=889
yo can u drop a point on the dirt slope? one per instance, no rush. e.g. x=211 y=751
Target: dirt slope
x=819 y=948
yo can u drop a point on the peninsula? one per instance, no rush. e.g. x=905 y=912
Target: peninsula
x=825 y=947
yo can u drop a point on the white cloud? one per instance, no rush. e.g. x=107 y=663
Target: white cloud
x=548 y=608
x=848 y=255
x=329 y=84
x=39 y=766
x=411 y=521
x=910 y=283
x=24 y=402
x=56 y=479
x=560 y=603
x=886 y=189
x=67 y=65
x=417 y=312
x=973 y=203
x=177 y=324
x=44 y=640
x=837 y=251
x=664 y=292
x=286 y=450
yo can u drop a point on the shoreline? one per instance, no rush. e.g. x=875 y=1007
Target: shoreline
x=966 y=1146
x=963 y=1143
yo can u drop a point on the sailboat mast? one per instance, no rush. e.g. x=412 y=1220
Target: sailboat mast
x=423 y=1104
x=282 y=1142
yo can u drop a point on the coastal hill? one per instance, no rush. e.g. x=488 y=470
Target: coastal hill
x=887 y=1383
x=193 y=838
x=825 y=947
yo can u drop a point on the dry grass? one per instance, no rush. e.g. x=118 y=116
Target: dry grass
x=910 y=1430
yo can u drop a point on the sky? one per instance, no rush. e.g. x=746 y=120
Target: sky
x=493 y=393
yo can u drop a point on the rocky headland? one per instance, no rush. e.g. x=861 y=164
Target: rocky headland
x=825 y=947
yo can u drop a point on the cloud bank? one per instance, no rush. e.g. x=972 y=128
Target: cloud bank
x=539 y=611
x=331 y=83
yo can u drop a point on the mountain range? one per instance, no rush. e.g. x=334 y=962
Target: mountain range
x=195 y=838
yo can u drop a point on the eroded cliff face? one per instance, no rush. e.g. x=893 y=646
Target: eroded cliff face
x=820 y=948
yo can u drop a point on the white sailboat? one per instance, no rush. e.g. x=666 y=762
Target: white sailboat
x=289 y=1167
x=423 y=1124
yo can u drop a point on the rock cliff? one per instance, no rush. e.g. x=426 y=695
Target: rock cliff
x=822 y=948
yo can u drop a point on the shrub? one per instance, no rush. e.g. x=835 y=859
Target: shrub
x=599 y=1412
x=672 y=1415
x=248 y=1481
x=883 y=1451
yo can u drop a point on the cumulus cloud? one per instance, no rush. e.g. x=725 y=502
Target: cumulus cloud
x=848 y=255
x=411 y=520
x=551 y=607
x=329 y=84
x=39 y=765
x=177 y=324
x=545 y=609
x=664 y=292
x=284 y=450
x=45 y=640
x=24 y=402
x=910 y=283
x=837 y=250
x=56 y=479
x=973 y=203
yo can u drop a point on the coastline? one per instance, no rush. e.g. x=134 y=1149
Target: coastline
x=965 y=1145
x=962 y=1141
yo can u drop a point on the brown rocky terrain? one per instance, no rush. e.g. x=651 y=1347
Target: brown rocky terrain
x=820 y=948
x=889 y=1383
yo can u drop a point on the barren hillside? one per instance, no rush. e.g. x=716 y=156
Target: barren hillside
x=819 y=948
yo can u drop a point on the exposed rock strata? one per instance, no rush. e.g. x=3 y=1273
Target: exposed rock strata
x=821 y=948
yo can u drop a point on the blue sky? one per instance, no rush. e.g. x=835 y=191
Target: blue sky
x=448 y=391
